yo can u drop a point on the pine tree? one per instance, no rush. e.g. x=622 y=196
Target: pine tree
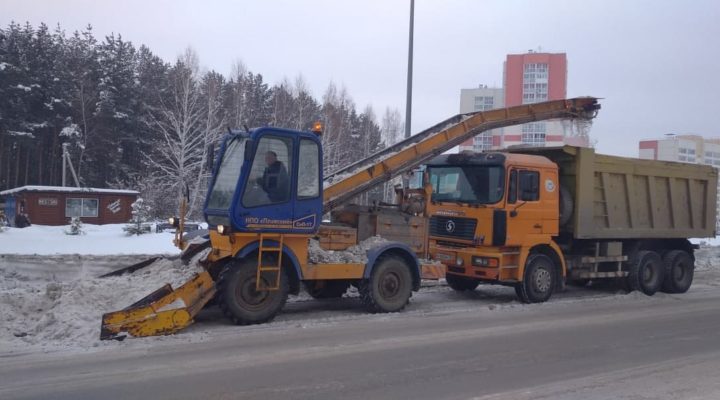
x=140 y=215
x=76 y=227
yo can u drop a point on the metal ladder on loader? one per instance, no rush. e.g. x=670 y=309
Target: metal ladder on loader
x=270 y=249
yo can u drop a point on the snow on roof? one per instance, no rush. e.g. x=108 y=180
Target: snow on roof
x=65 y=189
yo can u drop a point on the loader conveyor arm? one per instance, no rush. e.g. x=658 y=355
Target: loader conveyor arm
x=363 y=175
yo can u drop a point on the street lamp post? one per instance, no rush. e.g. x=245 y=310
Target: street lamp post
x=408 y=102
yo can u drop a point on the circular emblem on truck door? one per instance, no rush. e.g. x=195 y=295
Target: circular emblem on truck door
x=549 y=185
x=450 y=226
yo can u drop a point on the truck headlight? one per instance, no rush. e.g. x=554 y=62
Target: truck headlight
x=459 y=261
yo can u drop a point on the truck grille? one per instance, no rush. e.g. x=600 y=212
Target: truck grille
x=453 y=227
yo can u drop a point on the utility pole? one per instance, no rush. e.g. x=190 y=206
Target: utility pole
x=408 y=101
x=67 y=162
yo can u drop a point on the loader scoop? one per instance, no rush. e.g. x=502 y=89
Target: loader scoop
x=162 y=312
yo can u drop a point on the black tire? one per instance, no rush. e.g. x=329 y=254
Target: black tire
x=646 y=272
x=328 y=289
x=239 y=300
x=567 y=206
x=539 y=280
x=389 y=287
x=461 y=283
x=679 y=271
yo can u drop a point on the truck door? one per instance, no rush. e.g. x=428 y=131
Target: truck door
x=267 y=196
x=524 y=205
x=308 y=194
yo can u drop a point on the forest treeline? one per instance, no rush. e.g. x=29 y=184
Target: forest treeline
x=130 y=119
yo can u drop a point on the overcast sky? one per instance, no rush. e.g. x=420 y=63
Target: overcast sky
x=656 y=64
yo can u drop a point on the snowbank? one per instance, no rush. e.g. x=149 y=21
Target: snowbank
x=354 y=254
x=707 y=241
x=98 y=240
x=37 y=314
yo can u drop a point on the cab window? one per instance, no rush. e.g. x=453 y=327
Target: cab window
x=529 y=185
x=512 y=187
x=269 y=181
x=308 y=170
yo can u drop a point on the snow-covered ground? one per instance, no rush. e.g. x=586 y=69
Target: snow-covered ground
x=55 y=303
x=97 y=240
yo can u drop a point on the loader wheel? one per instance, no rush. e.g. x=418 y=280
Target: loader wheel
x=239 y=300
x=328 y=289
x=646 y=272
x=389 y=287
x=539 y=281
x=461 y=283
x=679 y=271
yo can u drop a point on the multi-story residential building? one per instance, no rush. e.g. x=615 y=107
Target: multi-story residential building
x=684 y=148
x=482 y=98
x=527 y=78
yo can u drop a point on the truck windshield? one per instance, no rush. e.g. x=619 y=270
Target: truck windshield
x=227 y=175
x=473 y=184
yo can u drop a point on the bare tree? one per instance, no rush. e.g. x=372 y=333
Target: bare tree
x=391 y=130
x=237 y=83
x=176 y=163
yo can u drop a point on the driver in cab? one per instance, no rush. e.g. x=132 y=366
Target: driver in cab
x=274 y=180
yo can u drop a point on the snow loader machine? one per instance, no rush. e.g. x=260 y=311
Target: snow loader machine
x=266 y=201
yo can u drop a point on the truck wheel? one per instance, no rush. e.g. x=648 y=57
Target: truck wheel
x=461 y=283
x=539 y=281
x=566 y=206
x=679 y=271
x=239 y=300
x=389 y=287
x=646 y=272
x=327 y=289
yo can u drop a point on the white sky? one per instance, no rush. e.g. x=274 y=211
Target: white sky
x=655 y=63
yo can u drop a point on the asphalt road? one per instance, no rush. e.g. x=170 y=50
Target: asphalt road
x=661 y=348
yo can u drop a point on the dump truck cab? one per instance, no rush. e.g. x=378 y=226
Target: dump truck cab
x=489 y=213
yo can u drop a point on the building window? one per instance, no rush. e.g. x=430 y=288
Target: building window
x=535 y=83
x=484 y=103
x=712 y=158
x=533 y=134
x=483 y=141
x=81 y=207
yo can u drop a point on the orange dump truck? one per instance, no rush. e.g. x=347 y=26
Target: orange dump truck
x=535 y=218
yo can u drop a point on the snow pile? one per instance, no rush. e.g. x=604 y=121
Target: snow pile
x=353 y=254
x=98 y=240
x=57 y=314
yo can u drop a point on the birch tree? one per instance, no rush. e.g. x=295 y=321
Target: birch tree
x=178 y=158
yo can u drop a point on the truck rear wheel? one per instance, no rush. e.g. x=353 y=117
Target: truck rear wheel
x=239 y=300
x=389 y=287
x=461 y=283
x=327 y=289
x=646 y=272
x=539 y=280
x=679 y=271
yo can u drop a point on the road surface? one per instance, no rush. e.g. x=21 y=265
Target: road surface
x=606 y=345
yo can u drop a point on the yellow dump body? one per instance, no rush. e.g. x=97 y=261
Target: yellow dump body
x=627 y=198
